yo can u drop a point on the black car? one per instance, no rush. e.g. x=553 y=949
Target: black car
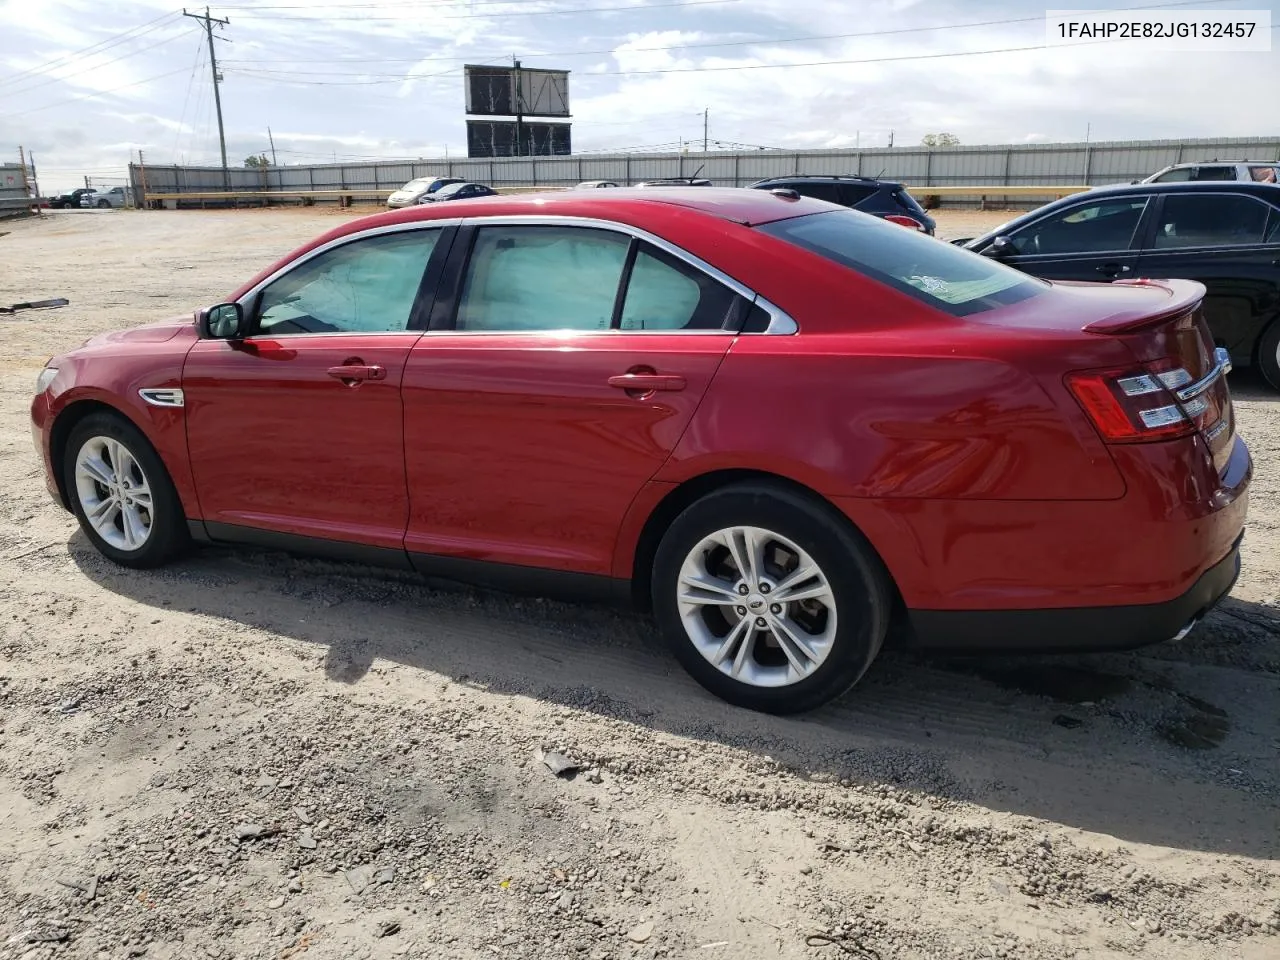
x=880 y=198
x=676 y=182
x=459 y=191
x=69 y=200
x=1224 y=234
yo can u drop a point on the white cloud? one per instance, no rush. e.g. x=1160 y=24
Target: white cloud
x=329 y=78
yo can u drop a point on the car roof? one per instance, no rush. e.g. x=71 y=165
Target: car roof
x=823 y=177
x=1269 y=191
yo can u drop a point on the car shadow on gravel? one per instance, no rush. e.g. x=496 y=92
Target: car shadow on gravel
x=1173 y=746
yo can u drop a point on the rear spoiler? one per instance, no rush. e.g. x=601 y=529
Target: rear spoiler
x=1184 y=296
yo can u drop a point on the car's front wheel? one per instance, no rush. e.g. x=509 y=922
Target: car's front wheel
x=769 y=598
x=104 y=204
x=121 y=493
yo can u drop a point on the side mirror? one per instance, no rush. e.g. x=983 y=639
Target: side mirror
x=225 y=321
x=999 y=248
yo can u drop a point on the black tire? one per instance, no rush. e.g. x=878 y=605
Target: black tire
x=104 y=204
x=859 y=583
x=1269 y=354
x=168 y=536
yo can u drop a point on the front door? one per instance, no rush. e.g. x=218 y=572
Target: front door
x=1092 y=240
x=298 y=428
x=1230 y=242
x=569 y=362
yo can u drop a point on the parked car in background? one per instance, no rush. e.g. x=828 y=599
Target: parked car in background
x=113 y=197
x=1244 y=171
x=413 y=191
x=594 y=184
x=70 y=199
x=676 y=182
x=1225 y=235
x=871 y=429
x=459 y=191
x=880 y=198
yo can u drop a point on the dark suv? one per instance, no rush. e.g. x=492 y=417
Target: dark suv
x=880 y=198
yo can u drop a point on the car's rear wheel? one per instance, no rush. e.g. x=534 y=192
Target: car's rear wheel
x=121 y=493
x=104 y=204
x=1269 y=354
x=769 y=598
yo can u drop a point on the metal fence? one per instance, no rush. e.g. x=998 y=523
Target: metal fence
x=15 y=201
x=1049 y=164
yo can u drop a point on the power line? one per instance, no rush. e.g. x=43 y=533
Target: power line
x=510 y=13
x=698 y=46
x=131 y=33
x=186 y=99
x=97 y=66
x=90 y=96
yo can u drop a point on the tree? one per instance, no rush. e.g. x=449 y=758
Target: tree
x=259 y=161
x=941 y=140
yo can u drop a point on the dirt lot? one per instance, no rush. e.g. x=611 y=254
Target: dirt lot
x=249 y=755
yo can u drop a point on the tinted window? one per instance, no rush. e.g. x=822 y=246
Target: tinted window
x=940 y=274
x=1264 y=174
x=541 y=278
x=1175 y=176
x=1215 y=173
x=365 y=286
x=666 y=294
x=1205 y=220
x=819 y=191
x=1085 y=228
x=852 y=194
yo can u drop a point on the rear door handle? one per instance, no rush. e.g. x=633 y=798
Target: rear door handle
x=646 y=382
x=357 y=372
x=1112 y=269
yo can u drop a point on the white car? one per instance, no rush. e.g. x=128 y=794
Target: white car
x=1247 y=170
x=114 y=197
x=413 y=191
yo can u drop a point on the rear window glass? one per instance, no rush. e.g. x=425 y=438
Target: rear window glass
x=937 y=273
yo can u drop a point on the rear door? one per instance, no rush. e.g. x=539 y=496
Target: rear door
x=1089 y=240
x=563 y=365
x=1228 y=241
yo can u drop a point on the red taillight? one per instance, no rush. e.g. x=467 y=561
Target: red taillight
x=1134 y=405
x=906 y=221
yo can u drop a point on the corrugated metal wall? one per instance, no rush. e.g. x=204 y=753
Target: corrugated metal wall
x=919 y=167
x=14 y=200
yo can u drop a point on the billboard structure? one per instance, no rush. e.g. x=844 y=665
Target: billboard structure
x=514 y=92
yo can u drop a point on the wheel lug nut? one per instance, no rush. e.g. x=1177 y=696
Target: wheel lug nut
x=742 y=611
x=775 y=608
x=765 y=588
x=760 y=621
x=742 y=589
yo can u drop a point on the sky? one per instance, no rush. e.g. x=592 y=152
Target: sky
x=86 y=84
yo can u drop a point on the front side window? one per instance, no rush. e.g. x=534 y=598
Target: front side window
x=1215 y=173
x=1210 y=220
x=524 y=278
x=829 y=192
x=939 y=274
x=1086 y=228
x=1177 y=175
x=366 y=286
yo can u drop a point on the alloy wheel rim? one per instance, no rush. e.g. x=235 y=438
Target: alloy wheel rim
x=756 y=606
x=114 y=493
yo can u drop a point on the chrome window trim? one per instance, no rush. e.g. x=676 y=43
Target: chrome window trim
x=780 y=323
x=163 y=396
x=247 y=300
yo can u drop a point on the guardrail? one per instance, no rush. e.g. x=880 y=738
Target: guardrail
x=345 y=197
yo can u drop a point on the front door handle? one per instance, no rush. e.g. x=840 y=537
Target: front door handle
x=642 y=383
x=352 y=373
x=1112 y=269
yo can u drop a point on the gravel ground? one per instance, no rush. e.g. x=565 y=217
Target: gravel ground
x=248 y=755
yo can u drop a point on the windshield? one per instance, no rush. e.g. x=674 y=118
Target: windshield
x=937 y=273
x=420 y=184
x=450 y=190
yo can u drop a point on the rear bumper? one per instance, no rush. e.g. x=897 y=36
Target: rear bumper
x=1074 y=629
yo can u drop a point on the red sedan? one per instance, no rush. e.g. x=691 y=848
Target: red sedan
x=783 y=426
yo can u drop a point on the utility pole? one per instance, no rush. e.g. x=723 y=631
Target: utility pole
x=272 y=140
x=706 y=111
x=519 y=110
x=208 y=22
x=141 y=202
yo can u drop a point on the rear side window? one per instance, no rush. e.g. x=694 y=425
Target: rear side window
x=939 y=274
x=1210 y=220
x=665 y=294
x=1215 y=173
x=852 y=194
